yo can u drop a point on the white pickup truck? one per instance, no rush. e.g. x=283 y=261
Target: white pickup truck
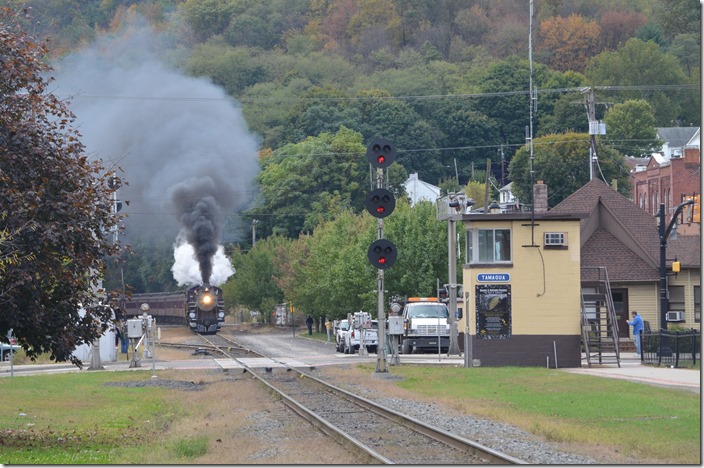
x=363 y=331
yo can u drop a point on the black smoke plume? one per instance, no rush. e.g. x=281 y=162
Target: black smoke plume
x=187 y=154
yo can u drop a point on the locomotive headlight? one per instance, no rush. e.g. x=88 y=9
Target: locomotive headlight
x=192 y=315
x=206 y=301
x=221 y=314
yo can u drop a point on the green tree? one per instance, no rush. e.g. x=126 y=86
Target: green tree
x=677 y=17
x=298 y=179
x=562 y=162
x=509 y=76
x=475 y=190
x=421 y=241
x=55 y=206
x=337 y=278
x=233 y=68
x=208 y=18
x=687 y=49
x=630 y=128
x=253 y=284
x=465 y=128
x=639 y=63
x=397 y=121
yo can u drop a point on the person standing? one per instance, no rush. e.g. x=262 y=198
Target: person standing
x=637 y=324
x=309 y=322
x=328 y=327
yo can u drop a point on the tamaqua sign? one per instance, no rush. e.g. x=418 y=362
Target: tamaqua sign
x=493 y=277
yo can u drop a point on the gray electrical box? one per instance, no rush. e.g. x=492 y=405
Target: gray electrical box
x=134 y=328
x=396 y=325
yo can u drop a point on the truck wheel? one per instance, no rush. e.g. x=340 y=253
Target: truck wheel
x=406 y=349
x=372 y=349
x=6 y=356
x=347 y=350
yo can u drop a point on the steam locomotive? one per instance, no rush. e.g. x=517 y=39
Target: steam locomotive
x=205 y=309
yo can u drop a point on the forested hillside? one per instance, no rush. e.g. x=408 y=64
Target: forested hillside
x=446 y=80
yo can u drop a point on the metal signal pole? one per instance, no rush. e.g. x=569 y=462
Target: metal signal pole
x=381 y=363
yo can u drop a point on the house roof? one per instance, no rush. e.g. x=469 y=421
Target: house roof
x=676 y=137
x=418 y=190
x=604 y=249
x=632 y=245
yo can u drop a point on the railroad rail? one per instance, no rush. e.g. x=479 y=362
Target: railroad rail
x=375 y=433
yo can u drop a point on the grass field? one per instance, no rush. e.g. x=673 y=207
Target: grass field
x=77 y=419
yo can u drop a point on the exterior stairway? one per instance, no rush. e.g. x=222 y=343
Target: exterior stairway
x=599 y=326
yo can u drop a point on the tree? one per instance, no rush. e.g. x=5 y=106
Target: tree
x=421 y=241
x=253 y=283
x=644 y=63
x=298 y=180
x=464 y=127
x=56 y=208
x=562 y=162
x=567 y=43
x=630 y=128
x=619 y=26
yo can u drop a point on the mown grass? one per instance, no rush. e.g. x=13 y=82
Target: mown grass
x=75 y=419
x=635 y=419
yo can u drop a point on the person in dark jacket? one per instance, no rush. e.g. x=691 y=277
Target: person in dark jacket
x=309 y=322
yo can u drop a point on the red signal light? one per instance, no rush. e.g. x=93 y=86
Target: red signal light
x=381 y=153
x=380 y=203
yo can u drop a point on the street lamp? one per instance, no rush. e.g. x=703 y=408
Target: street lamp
x=664 y=234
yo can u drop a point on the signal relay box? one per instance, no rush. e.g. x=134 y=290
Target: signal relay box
x=134 y=328
x=396 y=325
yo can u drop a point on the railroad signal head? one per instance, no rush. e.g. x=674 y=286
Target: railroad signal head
x=380 y=203
x=381 y=153
x=382 y=254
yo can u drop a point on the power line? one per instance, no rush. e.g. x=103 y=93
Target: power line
x=657 y=87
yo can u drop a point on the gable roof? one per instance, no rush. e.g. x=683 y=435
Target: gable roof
x=676 y=137
x=418 y=190
x=632 y=242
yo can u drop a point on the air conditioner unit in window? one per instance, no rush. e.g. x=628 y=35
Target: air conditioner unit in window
x=555 y=238
x=675 y=316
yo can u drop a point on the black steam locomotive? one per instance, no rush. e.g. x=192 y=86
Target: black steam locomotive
x=205 y=309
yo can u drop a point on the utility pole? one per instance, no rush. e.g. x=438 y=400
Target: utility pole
x=591 y=112
x=452 y=278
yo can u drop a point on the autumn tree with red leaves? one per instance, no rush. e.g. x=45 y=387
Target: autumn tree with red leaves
x=55 y=209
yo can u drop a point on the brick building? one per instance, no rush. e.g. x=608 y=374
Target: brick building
x=668 y=178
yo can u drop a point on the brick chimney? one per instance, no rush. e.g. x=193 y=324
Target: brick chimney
x=540 y=197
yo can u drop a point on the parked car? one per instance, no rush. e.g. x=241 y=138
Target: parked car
x=5 y=349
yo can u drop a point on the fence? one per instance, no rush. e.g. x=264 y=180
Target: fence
x=675 y=348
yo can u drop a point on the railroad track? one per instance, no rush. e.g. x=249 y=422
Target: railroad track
x=375 y=433
x=227 y=347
